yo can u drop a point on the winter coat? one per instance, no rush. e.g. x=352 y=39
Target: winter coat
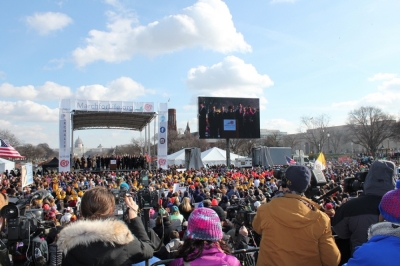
x=105 y=242
x=382 y=247
x=294 y=232
x=353 y=218
x=211 y=257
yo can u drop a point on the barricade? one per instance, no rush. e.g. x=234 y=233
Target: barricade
x=245 y=256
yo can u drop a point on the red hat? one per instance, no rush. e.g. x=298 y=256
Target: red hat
x=329 y=206
x=214 y=202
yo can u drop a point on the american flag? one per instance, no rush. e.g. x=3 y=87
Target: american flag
x=7 y=151
x=290 y=161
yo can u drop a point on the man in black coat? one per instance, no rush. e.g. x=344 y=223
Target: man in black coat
x=354 y=217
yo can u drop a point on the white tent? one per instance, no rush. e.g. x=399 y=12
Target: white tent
x=176 y=158
x=216 y=156
x=6 y=165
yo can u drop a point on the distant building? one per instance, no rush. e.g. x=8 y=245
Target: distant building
x=172 y=119
x=79 y=148
x=187 y=130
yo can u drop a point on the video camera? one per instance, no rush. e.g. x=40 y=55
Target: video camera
x=240 y=214
x=356 y=183
x=24 y=226
x=120 y=206
x=145 y=198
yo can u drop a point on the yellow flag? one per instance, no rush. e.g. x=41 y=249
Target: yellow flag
x=320 y=163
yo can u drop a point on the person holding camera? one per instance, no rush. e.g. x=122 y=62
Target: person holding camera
x=294 y=231
x=353 y=218
x=100 y=239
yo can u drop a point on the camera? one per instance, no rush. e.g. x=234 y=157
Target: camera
x=120 y=206
x=354 y=184
x=240 y=214
x=24 y=226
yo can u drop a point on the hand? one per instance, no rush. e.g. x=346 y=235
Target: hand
x=133 y=208
x=243 y=231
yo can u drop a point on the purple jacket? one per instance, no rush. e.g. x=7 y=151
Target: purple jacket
x=210 y=257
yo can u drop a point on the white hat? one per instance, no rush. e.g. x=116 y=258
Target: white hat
x=257 y=204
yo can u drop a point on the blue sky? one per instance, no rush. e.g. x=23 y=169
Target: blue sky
x=301 y=58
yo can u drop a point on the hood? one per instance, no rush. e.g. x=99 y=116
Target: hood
x=384 y=229
x=293 y=211
x=381 y=178
x=85 y=232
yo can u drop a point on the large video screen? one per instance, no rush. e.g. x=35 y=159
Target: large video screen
x=233 y=118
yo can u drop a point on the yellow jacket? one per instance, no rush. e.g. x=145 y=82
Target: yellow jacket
x=294 y=234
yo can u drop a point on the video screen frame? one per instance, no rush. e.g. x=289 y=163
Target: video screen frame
x=218 y=115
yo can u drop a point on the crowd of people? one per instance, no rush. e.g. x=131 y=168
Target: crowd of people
x=198 y=221
x=97 y=162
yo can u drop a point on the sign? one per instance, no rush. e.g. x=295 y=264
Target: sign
x=64 y=152
x=162 y=145
x=26 y=175
x=112 y=106
x=229 y=124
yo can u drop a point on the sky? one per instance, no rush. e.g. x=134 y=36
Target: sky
x=300 y=58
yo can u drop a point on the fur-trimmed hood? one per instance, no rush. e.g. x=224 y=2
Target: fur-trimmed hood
x=384 y=229
x=84 y=232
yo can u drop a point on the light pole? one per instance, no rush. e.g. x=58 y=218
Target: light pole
x=328 y=135
x=319 y=147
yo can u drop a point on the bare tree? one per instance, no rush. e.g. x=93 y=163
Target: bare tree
x=315 y=133
x=31 y=152
x=369 y=127
x=9 y=137
x=336 y=138
x=138 y=145
x=236 y=144
x=48 y=152
x=291 y=140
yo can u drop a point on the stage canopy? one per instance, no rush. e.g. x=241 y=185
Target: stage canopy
x=82 y=120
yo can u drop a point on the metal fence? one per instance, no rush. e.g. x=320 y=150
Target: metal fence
x=247 y=257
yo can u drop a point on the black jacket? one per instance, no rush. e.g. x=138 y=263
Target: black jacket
x=105 y=242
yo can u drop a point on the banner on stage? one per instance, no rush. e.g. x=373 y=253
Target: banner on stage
x=113 y=106
x=64 y=152
x=162 y=146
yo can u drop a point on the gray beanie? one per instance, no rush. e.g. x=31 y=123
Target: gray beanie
x=381 y=178
x=298 y=178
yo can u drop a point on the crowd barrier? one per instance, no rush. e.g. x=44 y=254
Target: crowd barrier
x=245 y=256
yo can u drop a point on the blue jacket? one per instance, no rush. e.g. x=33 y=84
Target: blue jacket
x=382 y=247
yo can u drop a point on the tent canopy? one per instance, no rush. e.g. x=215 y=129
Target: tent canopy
x=216 y=156
x=176 y=158
x=52 y=164
x=6 y=165
x=98 y=120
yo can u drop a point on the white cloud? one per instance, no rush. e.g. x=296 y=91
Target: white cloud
x=2 y=75
x=48 y=91
x=386 y=97
x=230 y=78
x=47 y=22
x=28 y=111
x=382 y=76
x=208 y=24
x=33 y=134
x=121 y=88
